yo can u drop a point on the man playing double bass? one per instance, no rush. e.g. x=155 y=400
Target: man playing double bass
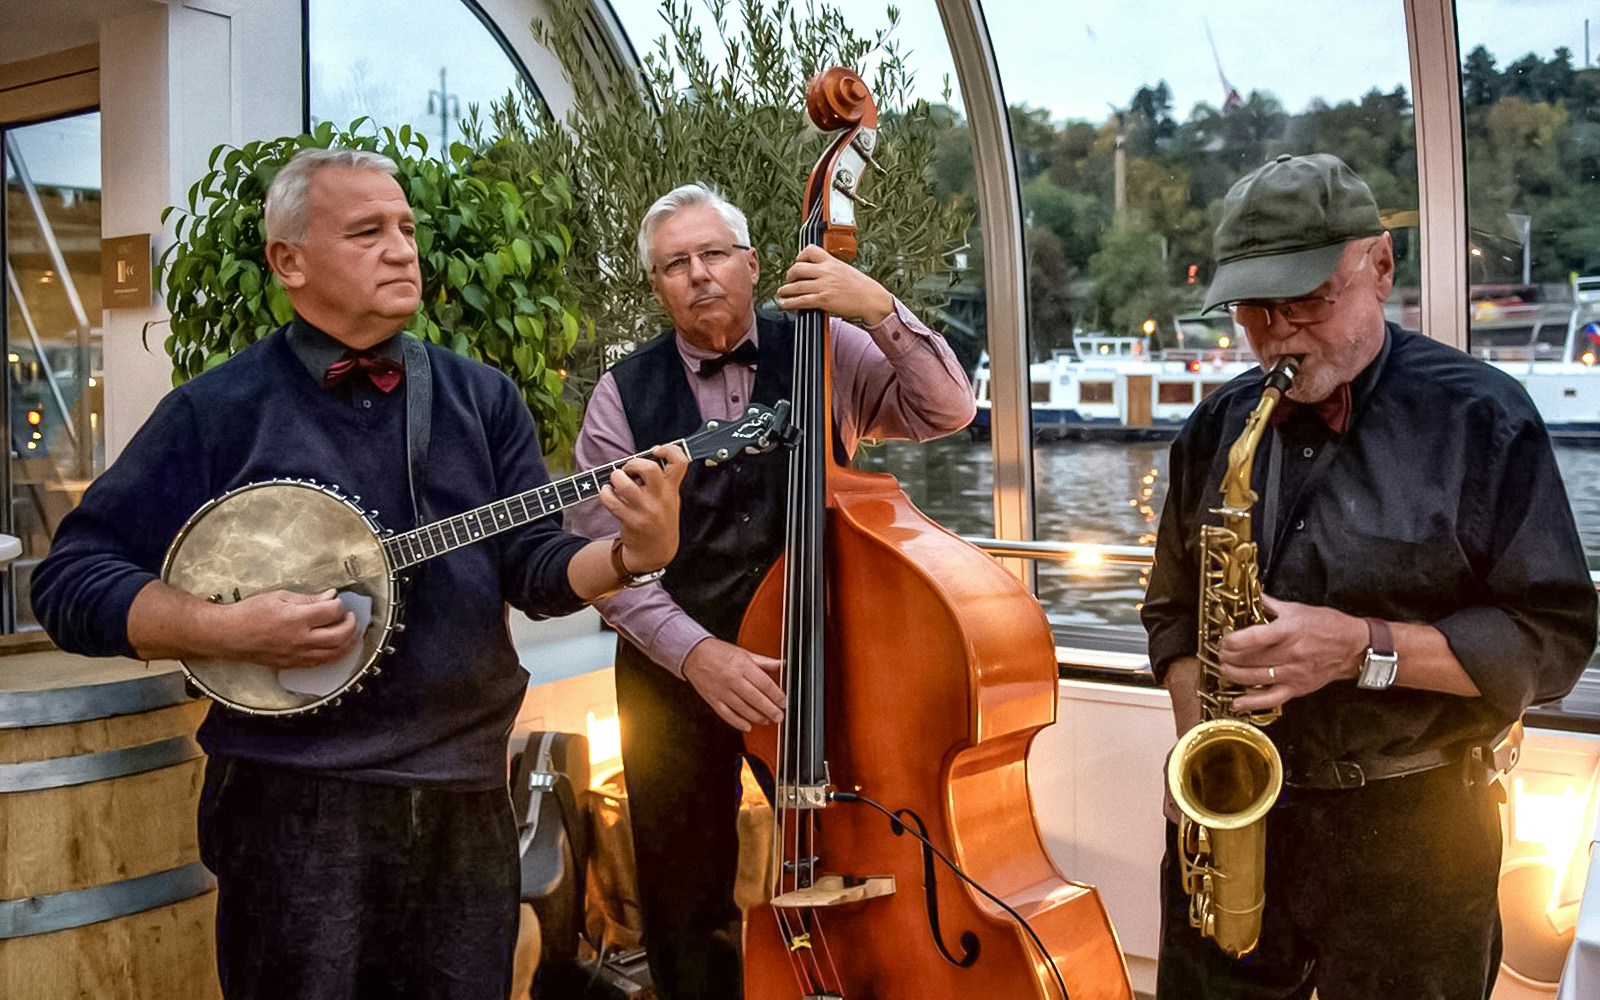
x=1424 y=584
x=685 y=692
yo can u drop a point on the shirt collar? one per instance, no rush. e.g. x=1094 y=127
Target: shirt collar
x=1362 y=385
x=316 y=350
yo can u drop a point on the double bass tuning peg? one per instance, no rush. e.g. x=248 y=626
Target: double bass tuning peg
x=864 y=144
x=845 y=184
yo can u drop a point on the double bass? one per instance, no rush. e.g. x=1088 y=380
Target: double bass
x=917 y=672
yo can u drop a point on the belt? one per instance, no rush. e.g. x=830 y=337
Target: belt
x=1337 y=774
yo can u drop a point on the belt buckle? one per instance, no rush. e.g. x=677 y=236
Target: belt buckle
x=1347 y=774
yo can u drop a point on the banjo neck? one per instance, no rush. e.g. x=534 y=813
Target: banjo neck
x=451 y=533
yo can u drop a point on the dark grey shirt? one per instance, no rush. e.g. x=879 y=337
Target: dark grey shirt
x=1441 y=504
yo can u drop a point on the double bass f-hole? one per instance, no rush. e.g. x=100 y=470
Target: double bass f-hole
x=930 y=887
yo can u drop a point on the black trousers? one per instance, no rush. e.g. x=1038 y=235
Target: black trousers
x=1385 y=891
x=681 y=763
x=337 y=890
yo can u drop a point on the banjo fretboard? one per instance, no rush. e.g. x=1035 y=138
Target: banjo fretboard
x=430 y=540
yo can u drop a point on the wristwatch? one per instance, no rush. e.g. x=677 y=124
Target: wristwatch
x=628 y=577
x=1381 y=664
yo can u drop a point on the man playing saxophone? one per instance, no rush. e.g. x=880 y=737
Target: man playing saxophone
x=1422 y=583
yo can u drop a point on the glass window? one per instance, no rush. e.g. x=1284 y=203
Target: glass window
x=1531 y=108
x=54 y=387
x=950 y=480
x=1128 y=132
x=365 y=61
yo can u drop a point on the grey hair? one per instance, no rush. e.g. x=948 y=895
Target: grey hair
x=689 y=196
x=286 y=197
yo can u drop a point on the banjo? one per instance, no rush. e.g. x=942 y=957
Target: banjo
x=308 y=537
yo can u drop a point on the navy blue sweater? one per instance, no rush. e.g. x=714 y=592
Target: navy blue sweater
x=440 y=712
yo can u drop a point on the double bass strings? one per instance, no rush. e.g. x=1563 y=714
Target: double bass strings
x=800 y=736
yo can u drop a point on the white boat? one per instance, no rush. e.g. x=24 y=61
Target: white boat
x=1118 y=387
x=1553 y=349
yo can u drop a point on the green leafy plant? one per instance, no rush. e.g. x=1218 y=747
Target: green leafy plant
x=492 y=253
x=736 y=121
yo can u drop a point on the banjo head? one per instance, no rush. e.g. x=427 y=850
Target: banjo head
x=282 y=535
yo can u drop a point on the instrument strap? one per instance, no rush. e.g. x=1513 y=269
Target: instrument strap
x=419 y=423
x=1269 y=503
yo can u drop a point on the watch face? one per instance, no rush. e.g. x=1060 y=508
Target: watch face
x=1378 y=672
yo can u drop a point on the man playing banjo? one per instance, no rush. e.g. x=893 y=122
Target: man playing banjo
x=367 y=849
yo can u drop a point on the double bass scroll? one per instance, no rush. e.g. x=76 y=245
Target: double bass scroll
x=917 y=672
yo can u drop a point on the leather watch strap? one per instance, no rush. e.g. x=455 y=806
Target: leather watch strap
x=627 y=576
x=1379 y=637
x=623 y=572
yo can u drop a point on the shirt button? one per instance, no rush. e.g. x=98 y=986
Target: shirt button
x=734 y=398
x=1307 y=452
x=894 y=335
x=366 y=404
x=1300 y=525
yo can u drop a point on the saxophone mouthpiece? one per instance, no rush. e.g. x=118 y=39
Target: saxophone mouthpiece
x=1283 y=372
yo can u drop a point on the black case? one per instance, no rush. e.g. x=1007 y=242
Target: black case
x=552 y=773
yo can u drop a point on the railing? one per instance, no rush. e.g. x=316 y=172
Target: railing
x=1097 y=653
x=1078 y=552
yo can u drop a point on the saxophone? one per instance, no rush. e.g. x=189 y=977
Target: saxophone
x=1224 y=774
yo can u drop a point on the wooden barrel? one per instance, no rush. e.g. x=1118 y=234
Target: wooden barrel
x=102 y=893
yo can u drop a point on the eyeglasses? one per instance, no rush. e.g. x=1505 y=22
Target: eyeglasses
x=1256 y=317
x=677 y=266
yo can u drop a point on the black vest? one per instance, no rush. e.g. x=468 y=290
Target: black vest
x=731 y=519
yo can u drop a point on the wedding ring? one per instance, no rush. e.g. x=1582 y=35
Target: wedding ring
x=1272 y=674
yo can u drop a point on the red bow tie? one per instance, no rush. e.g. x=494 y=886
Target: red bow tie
x=1334 y=411
x=383 y=373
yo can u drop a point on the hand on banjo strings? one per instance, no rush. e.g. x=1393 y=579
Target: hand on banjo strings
x=643 y=497
x=285 y=630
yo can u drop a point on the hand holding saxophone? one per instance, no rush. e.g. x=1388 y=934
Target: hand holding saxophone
x=1301 y=649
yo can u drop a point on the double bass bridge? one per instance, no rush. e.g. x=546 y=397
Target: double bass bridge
x=835 y=890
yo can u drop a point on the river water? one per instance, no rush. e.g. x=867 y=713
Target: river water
x=1108 y=492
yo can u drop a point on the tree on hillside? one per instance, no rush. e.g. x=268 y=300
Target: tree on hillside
x=1032 y=135
x=1076 y=218
x=1480 y=84
x=1130 y=283
x=1149 y=119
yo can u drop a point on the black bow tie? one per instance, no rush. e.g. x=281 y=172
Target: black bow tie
x=745 y=354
